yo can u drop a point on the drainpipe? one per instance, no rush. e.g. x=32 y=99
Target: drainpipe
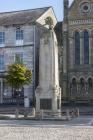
x=34 y=47
x=1 y=101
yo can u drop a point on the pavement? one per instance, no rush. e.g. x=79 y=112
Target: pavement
x=80 y=128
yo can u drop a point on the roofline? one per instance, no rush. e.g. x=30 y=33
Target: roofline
x=54 y=13
x=25 y=10
x=71 y=4
x=60 y=21
x=50 y=7
x=43 y=12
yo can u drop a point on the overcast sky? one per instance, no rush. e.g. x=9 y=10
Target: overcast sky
x=12 y=5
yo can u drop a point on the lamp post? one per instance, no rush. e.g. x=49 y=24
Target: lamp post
x=17 y=95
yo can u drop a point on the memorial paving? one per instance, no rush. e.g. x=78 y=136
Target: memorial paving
x=76 y=129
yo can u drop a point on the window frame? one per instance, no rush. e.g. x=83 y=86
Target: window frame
x=77 y=47
x=2 y=63
x=2 y=38
x=86 y=47
x=19 y=34
x=20 y=57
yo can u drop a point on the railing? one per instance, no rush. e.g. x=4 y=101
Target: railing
x=66 y=114
x=21 y=112
x=13 y=101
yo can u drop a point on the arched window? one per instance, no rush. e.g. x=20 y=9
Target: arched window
x=77 y=48
x=82 y=82
x=86 y=47
x=73 y=88
x=90 y=83
x=74 y=82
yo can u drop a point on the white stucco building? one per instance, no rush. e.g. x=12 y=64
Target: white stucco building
x=20 y=33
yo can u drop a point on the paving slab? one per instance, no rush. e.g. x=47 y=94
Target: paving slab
x=76 y=129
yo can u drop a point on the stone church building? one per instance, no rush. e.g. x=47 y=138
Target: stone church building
x=77 y=34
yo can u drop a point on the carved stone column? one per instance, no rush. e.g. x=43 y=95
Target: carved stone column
x=71 y=51
x=81 y=50
x=90 y=50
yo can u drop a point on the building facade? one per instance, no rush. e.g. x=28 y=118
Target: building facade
x=20 y=33
x=78 y=51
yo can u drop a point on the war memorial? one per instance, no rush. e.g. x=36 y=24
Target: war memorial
x=58 y=102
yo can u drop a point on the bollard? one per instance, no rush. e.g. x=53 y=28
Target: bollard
x=42 y=114
x=77 y=112
x=33 y=112
x=25 y=113
x=16 y=113
x=73 y=113
x=59 y=113
x=68 y=114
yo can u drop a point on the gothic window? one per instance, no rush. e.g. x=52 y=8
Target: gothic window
x=73 y=87
x=77 y=48
x=74 y=82
x=82 y=82
x=90 y=83
x=86 y=47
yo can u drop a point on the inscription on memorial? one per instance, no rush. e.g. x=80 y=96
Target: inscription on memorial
x=46 y=104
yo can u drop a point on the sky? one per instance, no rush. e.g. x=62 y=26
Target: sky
x=13 y=5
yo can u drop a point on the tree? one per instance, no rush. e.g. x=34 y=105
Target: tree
x=18 y=75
